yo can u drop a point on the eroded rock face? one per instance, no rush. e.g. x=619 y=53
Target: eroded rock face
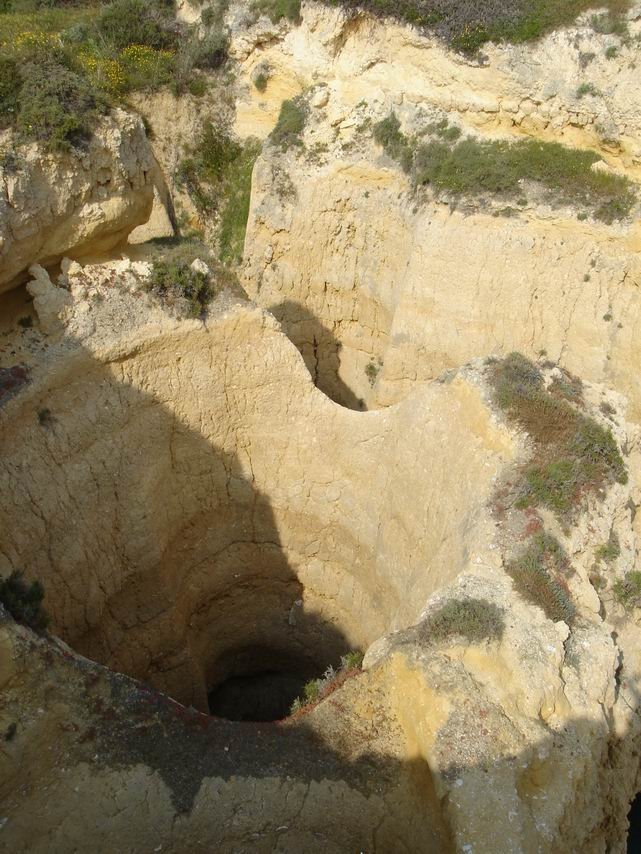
x=77 y=203
x=192 y=502
x=379 y=287
x=199 y=509
x=232 y=470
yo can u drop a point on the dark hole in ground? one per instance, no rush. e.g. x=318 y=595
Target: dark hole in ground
x=261 y=687
x=634 y=833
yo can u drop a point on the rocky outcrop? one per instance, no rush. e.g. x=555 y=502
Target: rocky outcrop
x=197 y=508
x=380 y=287
x=78 y=203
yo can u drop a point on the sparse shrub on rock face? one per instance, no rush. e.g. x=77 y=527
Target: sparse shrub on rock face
x=538 y=572
x=476 y=620
x=317 y=689
x=474 y=168
x=24 y=601
x=290 y=125
x=573 y=456
x=628 y=591
x=177 y=282
x=276 y=10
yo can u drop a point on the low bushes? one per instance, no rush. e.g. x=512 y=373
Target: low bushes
x=276 y=10
x=90 y=55
x=573 y=454
x=177 y=285
x=140 y=22
x=290 y=125
x=472 y=168
x=476 y=620
x=57 y=106
x=539 y=573
x=628 y=591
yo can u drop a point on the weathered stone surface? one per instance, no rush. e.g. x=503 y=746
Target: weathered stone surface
x=189 y=489
x=75 y=204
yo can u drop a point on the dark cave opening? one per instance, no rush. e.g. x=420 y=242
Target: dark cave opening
x=634 y=832
x=261 y=686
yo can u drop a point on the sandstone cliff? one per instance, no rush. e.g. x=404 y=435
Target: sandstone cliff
x=79 y=203
x=189 y=495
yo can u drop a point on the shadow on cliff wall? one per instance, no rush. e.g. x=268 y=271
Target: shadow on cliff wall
x=220 y=602
x=320 y=349
x=159 y=557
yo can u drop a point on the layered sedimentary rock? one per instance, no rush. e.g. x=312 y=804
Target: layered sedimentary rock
x=363 y=272
x=192 y=502
x=75 y=203
x=201 y=509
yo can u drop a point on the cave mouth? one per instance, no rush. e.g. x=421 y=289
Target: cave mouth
x=261 y=685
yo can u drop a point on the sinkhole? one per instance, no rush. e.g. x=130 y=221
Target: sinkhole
x=262 y=685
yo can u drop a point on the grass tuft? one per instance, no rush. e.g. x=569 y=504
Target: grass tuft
x=538 y=574
x=610 y=551
x=317 y=689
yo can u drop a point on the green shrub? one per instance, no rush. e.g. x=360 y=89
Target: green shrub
x=260 y=82
x=476 y=620
x=352 y=660
x=610 y=23
x=388 y=134
x=311 y=691
x=471 y=167
x=57 y=106
x=586 y=89
x=538 y=574
x=290 y=124
x=276 y=10
x=610 y=551
x=24 y=601
x=176 y=285
x=9 y=91
x=573 y=454
x=216 y=152
x=197 y=87
x=210 y=52
x=142 y=22
x=628 y=591
x=209 y=161
x=317 y=689
x=372 y=370
x=217 y=175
